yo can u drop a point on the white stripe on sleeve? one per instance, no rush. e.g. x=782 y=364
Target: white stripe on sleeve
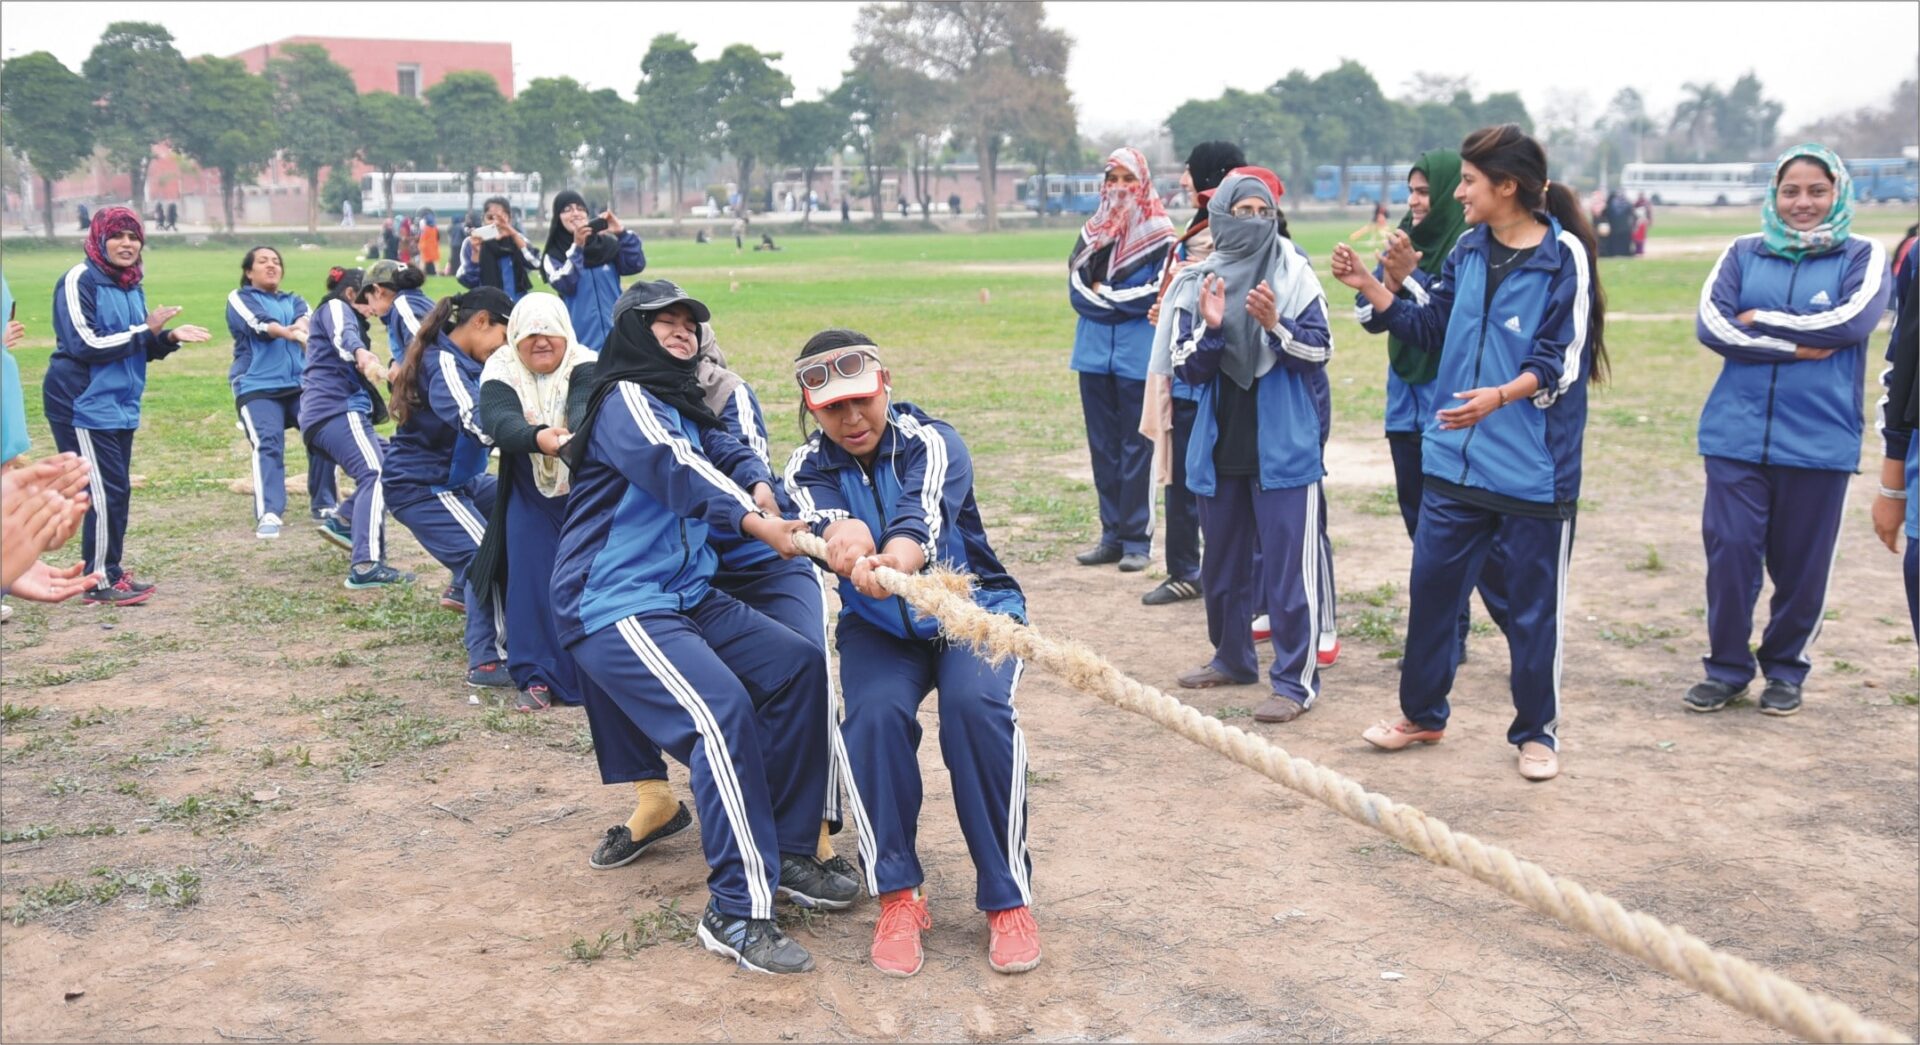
x=78 y=317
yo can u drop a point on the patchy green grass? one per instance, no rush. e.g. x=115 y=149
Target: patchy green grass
x=177 y=888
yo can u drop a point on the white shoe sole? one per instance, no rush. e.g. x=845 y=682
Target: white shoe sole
x=800 y=899
x=1014 y=967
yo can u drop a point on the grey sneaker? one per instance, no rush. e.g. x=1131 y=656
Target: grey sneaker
x=1779 y=698
x=755 y=943
x=269 y=527
x=809 y=883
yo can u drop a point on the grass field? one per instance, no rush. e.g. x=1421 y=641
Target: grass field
x=271 y=796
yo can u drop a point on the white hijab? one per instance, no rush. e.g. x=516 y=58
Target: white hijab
x=543 y=397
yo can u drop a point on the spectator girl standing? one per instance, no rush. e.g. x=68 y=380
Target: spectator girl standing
x=269 y=328
x=104 y=337
x=1516 y=316
x=1790 y=309
x=584 y=265
x=497 y=253
x=1113 y=279
x=1247 y=328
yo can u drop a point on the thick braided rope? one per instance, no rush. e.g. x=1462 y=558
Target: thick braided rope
x=1742 y=984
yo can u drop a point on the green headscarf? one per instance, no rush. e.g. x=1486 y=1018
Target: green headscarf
x=1434 y=239
x=1787 y=241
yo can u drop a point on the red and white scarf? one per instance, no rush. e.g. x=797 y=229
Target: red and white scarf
x=1130 y=218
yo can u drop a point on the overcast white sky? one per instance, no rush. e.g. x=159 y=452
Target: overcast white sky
x=1126 y=58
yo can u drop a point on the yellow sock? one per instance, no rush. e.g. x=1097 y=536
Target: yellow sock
x=654 y=807
x=824 y=851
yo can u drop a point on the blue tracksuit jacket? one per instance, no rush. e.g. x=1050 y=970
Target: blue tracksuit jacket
x=1410 y=408
x=921 y=488
x=403 y=321
x=1289 y=413
x=1113 y=336
x=1767 y=406
x=650 y=489
x=330 y=385
x=1538 y=323
x=440 y=447
x=591 y=292
x=747 y=423
x=101 y=347
x=264 y=365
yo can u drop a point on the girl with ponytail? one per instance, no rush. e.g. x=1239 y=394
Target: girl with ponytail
x=1516 y=318
x=436 y=479
x=392 y=292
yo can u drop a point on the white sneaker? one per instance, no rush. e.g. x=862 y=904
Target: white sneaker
x=1262 y=628
x=6 y=613
x=269 y=527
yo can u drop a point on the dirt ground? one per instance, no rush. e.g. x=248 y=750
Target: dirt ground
x=437 y=888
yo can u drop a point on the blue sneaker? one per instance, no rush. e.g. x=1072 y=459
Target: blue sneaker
x=338 y=532
x=380 y=575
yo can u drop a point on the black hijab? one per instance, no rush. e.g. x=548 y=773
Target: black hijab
x=601 y=247
x=1208 y=165
x=633 y=354
x=491 y=251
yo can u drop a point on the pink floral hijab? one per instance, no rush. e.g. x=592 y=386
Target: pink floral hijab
x=1131 y=219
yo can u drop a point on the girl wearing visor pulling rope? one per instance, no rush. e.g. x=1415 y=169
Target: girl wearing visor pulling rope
x=886 y=485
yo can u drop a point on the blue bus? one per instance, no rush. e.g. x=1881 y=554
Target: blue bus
x=1363 y=183
x=1077 y=193
x=1885 y=179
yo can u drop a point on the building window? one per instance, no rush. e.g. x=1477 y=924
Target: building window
x=409 y=81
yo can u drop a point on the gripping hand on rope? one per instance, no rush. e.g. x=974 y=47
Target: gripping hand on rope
x=850 y=553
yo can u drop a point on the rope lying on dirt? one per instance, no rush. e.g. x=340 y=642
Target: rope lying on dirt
x=1742 y=984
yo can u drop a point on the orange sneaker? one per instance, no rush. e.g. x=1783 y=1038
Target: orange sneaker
x=896 y=939
x=1013 y=941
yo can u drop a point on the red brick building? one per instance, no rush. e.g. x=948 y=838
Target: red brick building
x=279 y=196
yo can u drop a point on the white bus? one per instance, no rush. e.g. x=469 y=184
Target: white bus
x=446 y=192
x=1698 y=184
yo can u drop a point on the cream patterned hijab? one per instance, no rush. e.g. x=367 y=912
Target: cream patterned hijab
x=543 y=397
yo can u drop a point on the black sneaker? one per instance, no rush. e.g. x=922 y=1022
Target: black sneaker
x=619 y=849
x=1134 y=563
x=809 y=883
x=1100 y=555
x=454 y=598
x=1171 y=591
x=1712 y=695
x=755 y=943
x=380 y=575
x=840 y=865
x=492 y=675
x=119 y=593
x=1779 y=698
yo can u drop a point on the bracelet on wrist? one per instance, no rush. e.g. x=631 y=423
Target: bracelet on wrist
x=1893 y=493
x=1502 y=389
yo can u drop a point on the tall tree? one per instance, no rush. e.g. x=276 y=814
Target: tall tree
x=226 y=122
x=315 y=106
x=1747 y=120
x=869 y=127
x=138 y=79
x=1047 y=134
x=470 y=120
x=616 y=138
x=994 y=57
x=394 y=132
x=811 y=132
x=744 y=92
x=552 y=121
x=1626 y=123
x=672 y=96
x=47 y=111
x=1695 y=114
x=1504 y=107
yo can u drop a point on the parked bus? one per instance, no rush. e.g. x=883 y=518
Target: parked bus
x=1363 y=183
x=1696 y=184
x=446 y=192
x=1886 y=179
x=1077 y=193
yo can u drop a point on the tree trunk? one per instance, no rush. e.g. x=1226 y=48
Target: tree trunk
x=746 y=182
x=612 y=192
x=46 y=201
x=137 y=173
x=226 y=196
x=677 y=168
x=990 y=178
x=873 y=184
x=313 y=200
x=472 y=186
x=387 y=185
x=806 y=198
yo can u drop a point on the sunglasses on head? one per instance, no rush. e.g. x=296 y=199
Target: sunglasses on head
x=814 y=376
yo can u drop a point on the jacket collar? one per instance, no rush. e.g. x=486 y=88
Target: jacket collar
x=467 y=365
x=1546 y=256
